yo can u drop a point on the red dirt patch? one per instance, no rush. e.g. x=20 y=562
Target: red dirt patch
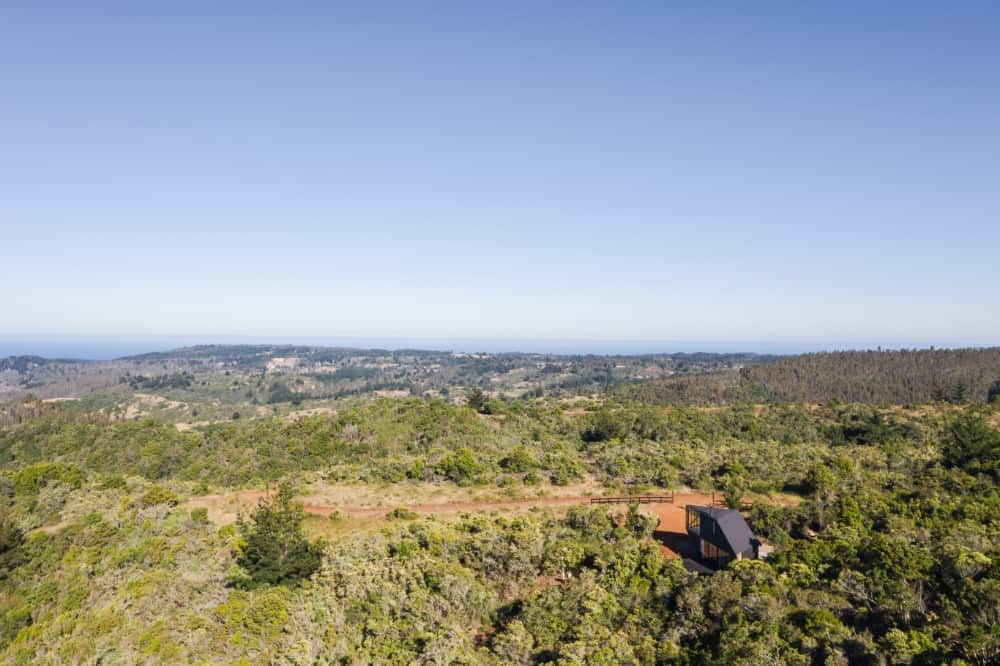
x=446 y=508
x=671 y=533
x=671 y=516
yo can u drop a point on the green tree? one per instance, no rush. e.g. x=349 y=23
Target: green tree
x=459 y=466
x=974 y=444
x=993 y=394
x=518 y=460
x=820 y=480
x=476 y=399
x=602 y=426
x=733 y=489
x=822 y=483
x=276 y=551
x=11 y=538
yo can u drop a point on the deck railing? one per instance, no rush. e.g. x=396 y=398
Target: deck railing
x=637 y=499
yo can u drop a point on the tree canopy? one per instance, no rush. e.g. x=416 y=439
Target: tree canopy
x=276 y=550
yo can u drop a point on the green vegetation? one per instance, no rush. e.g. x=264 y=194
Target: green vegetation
x=216 y=379
x=170 y=381
x=885 y=523
x=401 y=513
x=763 y=448
x=874 y=377
x=275 y=551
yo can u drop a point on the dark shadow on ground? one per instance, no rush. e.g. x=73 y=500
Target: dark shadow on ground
x=676 y=541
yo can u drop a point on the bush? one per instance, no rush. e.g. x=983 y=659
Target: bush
x=200 y=515
x=564 y=472
x=28 y=480
x=733 y=489
x=518 y=460
x=11 y=538
x=459 y=466
x=114 y=482
x=476 y=399
x=399 y=513
x=158 y=495
x=974 y=444
x=602 y=426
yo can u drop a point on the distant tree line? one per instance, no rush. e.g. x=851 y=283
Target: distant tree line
x=874 y=377
x=176 y=380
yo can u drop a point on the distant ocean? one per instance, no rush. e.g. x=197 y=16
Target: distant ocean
x=102 y=348
x=110 y=347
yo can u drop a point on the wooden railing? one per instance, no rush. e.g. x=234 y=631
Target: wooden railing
x=637 y=499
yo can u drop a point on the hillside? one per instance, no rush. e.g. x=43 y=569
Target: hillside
x=215 y=381
x=872 y=377
x=117 y=544
x=443 y=524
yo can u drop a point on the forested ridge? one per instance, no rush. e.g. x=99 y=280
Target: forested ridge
x=876 y=377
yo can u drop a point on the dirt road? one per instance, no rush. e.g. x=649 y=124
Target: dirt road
x=376 y=503
x=222 y=508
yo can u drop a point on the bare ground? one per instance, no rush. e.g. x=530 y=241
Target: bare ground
x=364 y=507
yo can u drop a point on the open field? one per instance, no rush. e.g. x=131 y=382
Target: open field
x=363 y=508
x=364 y=500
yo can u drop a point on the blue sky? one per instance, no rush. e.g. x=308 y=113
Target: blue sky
x=747 y=172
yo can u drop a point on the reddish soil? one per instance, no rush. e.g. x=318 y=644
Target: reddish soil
x=671 y=515
x=671 y=533
x=447 y=508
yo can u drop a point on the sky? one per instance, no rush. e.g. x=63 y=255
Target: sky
x=736 y=175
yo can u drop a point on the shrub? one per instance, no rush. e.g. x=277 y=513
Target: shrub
x=476 y=399
x=158 y=495
x=29 y=479
x=733 y=489
x=114 y=482
x=200 y=515
x=11 y=538
x=518 y=460
x=399 y=513
x=602 y=426
x=565 y=471
x=973 y=444
x=459 y=466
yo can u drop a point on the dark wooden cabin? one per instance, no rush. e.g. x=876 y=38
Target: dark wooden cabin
x=719 y=536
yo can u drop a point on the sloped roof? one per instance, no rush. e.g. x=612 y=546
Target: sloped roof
x=736 y=530
x=732 y=525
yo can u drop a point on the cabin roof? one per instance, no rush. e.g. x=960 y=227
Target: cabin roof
x=731 y=524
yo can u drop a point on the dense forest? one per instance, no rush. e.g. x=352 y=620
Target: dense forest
x=875 y=377
x=890 y=552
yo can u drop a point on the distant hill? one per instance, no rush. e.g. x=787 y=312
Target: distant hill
x=208 y=377
x=25 y=363
x=892 y=376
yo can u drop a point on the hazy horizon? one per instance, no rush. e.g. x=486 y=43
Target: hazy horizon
x=102 y=348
